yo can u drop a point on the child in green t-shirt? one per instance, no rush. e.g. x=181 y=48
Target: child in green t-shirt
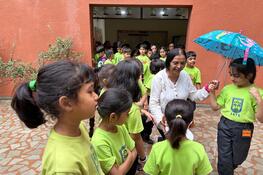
x=127 y=77
x=178 y=155
x=101 y=56
x=192 y=70
x=240 y=103
x=109 y=55
x=126 y=53
x=113 y=144
x=65 y=91
x=163 y=53
x=146 y=63
x=118 y=56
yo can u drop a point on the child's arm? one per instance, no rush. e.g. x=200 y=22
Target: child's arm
x=213 y=102
x=126 y=165
x=259 y=112
x=143 y=102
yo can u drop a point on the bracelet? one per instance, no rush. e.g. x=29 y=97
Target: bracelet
x=206 y=88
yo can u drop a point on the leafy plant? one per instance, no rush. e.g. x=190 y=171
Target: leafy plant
x=60 y=50
x=16 y=70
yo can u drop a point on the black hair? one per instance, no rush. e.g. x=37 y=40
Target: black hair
x=173 y=53
x=249 y=68
x=105 y=73
x=100 y=49
x=107 y=45
x=119 y=44
x=190 y=54
x=126 y=45
x=126 y=50
x=108 y=53
x=164 y=48
x=156 y=65
x=126 y=77
x=114 y=101
x=143 y=46
x=62 y=78
x=179 y=114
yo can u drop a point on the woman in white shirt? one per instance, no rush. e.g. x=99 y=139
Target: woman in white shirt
x=174 y=83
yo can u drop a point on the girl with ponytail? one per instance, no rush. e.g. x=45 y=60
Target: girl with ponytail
x=177 y=154
x=63 y=90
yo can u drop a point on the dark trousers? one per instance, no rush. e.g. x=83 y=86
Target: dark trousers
x=133 y=169
x=233 y=145
x=147 y=128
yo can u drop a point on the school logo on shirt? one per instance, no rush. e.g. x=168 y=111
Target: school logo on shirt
x=236 y=106
x=123 y=152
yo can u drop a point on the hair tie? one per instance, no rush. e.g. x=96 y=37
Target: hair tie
x=32 y=85
x=178 y=116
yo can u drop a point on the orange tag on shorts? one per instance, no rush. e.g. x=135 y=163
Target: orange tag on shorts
x=246 y=133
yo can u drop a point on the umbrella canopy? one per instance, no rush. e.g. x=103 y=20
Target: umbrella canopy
x=231 y=45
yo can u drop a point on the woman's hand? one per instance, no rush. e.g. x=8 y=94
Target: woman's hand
x=213 y=85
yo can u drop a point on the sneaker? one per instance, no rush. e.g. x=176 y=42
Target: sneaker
x=141 y=164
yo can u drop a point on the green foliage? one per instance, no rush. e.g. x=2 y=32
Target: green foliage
x=16 y=70
x=60 y=50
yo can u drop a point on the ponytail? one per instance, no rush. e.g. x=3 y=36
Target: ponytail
x=25 y=107
x=178 y=114
x=177 y=131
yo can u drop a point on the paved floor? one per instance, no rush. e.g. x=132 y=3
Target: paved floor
x=21 y=148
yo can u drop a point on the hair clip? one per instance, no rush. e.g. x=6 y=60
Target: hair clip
x=178 y=116
x=32 y=85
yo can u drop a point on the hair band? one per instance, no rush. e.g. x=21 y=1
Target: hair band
x=178 y=116
x=32 y=85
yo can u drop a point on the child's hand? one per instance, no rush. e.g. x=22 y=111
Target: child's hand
x=255 y=93
x=213 y=85
x=149 y=116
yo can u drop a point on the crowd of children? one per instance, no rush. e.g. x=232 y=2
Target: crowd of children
x=125 y=81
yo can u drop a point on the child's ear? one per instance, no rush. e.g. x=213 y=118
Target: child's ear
x=113 y=118
x=65 y=103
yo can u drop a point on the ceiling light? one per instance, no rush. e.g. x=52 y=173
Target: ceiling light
x=123 y=12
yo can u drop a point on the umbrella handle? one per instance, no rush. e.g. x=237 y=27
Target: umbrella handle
x=245 y=56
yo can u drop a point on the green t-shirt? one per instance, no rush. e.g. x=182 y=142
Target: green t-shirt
x=111 y=148
x=142 y=87
x=146 y=68
x=194 y=73
x=70 y=155
x=149 y=83
x=108 y=61
x=189 y=159
x=97 y=57
x=117 y=57
x=237 y=104
x=163 y=59
x=134 y=122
